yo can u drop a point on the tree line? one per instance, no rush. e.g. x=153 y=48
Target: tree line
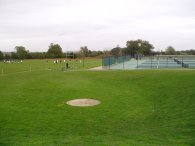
x=54 y=51
x=133 y=47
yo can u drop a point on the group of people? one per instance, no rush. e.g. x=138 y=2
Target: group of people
x=57 y=61
x=12 y=61
x=65 y=61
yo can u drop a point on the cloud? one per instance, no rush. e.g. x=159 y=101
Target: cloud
x=99 y=24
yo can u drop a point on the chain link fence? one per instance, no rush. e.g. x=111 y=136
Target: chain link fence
x=149 y=62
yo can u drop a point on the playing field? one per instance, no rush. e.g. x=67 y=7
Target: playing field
x=138 y=108
x=48 y=64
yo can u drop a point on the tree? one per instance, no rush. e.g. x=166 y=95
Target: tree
x=54 y=51
x=7 y=56
x=84 y=51
x=95 y=53
x=170 y=51
x=21 y=52
x=1 y=55
x=138 y=46
x=38 y=55
x=106 y=53
x=117 y=51
x=14 y=55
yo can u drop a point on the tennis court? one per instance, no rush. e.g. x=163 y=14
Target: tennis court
x=149 y=62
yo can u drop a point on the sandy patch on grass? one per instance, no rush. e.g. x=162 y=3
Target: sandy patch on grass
x=83 y=102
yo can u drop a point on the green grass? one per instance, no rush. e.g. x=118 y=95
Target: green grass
x=141 y=108
x=48 y=64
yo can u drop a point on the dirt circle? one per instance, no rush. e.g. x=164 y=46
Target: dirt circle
x=83 y=102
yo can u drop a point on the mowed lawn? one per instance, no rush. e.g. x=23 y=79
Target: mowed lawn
x=141 y=108
x=48 y=64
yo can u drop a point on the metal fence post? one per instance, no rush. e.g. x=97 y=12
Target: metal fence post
x=137 y=59
x=83 y=62
x=182 y=62
x=102 y=62
x=109 y=62
x=123 y=62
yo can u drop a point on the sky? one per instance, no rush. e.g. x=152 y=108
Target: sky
x=97 y=24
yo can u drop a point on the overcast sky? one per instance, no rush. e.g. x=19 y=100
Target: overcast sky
x=98 y=24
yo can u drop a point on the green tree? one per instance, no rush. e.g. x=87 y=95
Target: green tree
x=21 y=52
x=138 y=46
x=170 y=51
x=54 y=51
x=106 y=53
x=38 y=55
x=84 y=51
x=7 y=56
x=14 y=55
x=95 y=53
x=1 y=55
x=117 y=51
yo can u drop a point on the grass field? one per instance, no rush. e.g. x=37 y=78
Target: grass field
x=48 y=64
x=139 y=108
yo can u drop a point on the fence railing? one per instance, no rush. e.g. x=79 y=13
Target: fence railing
x=109 y=61
x=148 y=62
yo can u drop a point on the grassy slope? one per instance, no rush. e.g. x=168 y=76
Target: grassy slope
x=138 y=108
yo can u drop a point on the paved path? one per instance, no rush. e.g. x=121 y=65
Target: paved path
x=96 y=68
